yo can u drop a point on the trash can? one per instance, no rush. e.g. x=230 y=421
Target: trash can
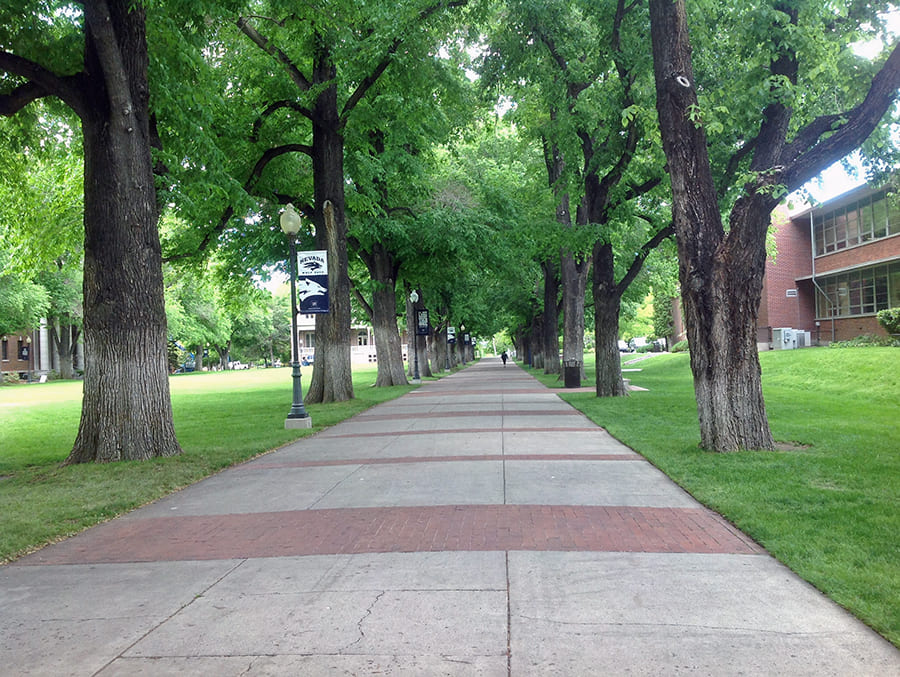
x=572 y=373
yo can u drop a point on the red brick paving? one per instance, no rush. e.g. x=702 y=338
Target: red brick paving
x=401 y=529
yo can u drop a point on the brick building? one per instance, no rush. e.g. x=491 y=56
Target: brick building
x=836 y=266
x=25 y=353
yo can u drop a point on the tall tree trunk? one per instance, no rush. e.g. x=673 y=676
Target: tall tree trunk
x=126 y=412
x=550 y=268
x=574 y=273
x=720 y=278
x=574 y=267
x=387 y=339
x=607 y=303
x=537 y=341
x=332 y=378
x=424 y=357
x=63 y=340
x=441 y=354
x=383 y=271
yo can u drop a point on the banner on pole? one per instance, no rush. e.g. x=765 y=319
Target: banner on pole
x=312 y=282
x=423 y=328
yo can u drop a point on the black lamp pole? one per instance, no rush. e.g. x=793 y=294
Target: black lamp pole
x=414 y=298
x=298 y=417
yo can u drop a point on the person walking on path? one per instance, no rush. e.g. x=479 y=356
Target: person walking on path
x=504 y=357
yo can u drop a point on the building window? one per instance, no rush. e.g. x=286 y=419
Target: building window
x=859 y=292
x=5 y=350
x=362 y=337
x=859 y=222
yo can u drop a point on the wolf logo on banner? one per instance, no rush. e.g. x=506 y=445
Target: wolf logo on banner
x=312 y=282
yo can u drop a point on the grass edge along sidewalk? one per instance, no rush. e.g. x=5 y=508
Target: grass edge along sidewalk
x=221 y=419
x=827 y=504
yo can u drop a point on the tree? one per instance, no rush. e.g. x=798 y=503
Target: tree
x=197 y=313
x=329 y=61
x=600 y=151
x=93 y=58
x=392 y=164
x=22 y=304
x=65 y=312
x=786 y=124
x=41 y=219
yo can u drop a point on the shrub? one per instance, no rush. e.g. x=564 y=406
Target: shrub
x=10 y=378
x=866 y=341
x=680 y=347
x=890 y=320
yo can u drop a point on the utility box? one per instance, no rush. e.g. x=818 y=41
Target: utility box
x=784 y=338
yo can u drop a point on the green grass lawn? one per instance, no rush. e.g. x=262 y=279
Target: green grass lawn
x=221 y=418
x=828 y=505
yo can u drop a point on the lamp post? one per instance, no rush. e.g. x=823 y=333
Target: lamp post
x=28 y=347
x=462 y=339
x=298 y=417
x=414 y=299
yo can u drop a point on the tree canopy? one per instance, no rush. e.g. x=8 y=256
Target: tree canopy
x=486 y=154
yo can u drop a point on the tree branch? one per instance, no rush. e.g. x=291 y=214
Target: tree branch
x=302 y=207
x=98 y=20
x=642 y=255
x=249 y=184
x=776 y=115
x=272 y=108
x=860 y=123
x=367 y=309
x=807 y=137
x=573 y=88
x=368 y=82
x=635 y=190
x=266 y=45
x=41 y=83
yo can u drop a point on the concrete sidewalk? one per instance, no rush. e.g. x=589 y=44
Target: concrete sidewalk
x=476 y=526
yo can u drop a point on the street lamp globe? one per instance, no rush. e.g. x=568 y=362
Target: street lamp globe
x=290 y=220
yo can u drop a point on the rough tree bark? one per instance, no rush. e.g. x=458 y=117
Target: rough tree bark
x=126 y=411
x=721 y=273
x=607 y=304
x=550 y=322
x=383 y=271
x=332 y=378
x=720 y=284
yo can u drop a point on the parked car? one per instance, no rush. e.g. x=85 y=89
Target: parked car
x=238 y=365
x=623 y=347
x=637 y=342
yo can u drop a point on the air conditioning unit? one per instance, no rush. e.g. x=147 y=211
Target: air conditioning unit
x=784 y=338
x=804 y=339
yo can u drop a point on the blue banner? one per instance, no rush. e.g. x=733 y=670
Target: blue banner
x=312 y=282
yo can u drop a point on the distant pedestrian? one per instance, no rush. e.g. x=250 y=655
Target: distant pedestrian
x=504 y=357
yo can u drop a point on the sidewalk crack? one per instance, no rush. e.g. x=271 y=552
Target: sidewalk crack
x=359 y=624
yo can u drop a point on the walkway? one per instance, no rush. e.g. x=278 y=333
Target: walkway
x=477 y=526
